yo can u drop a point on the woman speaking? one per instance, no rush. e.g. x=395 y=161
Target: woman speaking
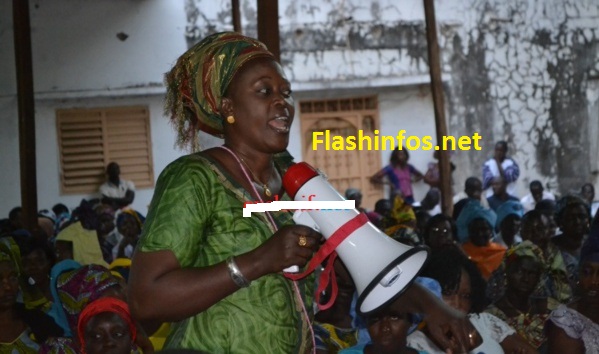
x=201 y=265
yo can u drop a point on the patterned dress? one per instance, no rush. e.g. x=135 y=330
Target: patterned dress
x=577 y=326
x=333 y=339
x=530 y=326
x=196 y=213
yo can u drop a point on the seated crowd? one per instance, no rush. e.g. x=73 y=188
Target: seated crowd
x=524 y=271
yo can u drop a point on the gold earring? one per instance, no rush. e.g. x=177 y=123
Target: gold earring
x=230 y=119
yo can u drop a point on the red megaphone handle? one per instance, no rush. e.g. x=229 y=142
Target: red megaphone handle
x=331 y=244
x=328 y=275
x=328 y=250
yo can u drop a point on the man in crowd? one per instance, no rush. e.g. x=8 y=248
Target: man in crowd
x=500 y=166
x=116 y=192
x=537 y=193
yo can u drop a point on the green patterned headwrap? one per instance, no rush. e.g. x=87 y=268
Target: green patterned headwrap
x=524 y=249
x=9 y=251
x=199 y=80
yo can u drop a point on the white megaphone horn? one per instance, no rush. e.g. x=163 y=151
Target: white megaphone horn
x=381 y=267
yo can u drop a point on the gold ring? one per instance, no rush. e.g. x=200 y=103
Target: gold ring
x=303 y=241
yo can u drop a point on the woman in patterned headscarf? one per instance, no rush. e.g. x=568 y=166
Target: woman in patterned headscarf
x=554 y=281
x=21 y=329
x=73 y=289
x=217 y=275
x=523 y=266
x=400 y=222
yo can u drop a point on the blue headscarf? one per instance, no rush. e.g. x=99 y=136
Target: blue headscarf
x=511 y=207
x=473 y=210
x=57 y=311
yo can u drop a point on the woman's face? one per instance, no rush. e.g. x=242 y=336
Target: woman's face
x=461 y=299
x=575 y=221
x=510 y=226
x=440 y=235
x=537 y=231
x=105 y=223
x=107 y=333
x=259 y=97
x=129 y=227
x=401 y=156
x=388 y=331
x=480 y=232
x=589 y=280
x=37 y=266
x=9 y=285
x=523 y=276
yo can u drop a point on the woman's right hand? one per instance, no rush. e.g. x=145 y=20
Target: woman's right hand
x=286 y=248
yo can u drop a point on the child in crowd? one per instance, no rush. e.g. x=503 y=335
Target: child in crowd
x=388 y=329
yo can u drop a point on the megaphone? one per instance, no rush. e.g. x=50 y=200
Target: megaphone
x=381 y=267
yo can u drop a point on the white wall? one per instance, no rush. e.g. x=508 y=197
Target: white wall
x=79 y=62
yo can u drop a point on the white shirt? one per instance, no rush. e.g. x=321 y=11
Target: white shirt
x=511 y=173
x=529 y=203
x=112 y=191
x=128 y=251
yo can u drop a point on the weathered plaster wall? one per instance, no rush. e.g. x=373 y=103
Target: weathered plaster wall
x=528 y=64
x=518 y=70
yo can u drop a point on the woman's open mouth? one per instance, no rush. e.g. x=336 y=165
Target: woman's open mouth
x=280 y=124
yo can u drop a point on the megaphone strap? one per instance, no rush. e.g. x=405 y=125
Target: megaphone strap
x=331 y=244
x=328 y=250
x=326 y=277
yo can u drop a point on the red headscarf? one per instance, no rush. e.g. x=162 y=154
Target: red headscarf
x=104 y=304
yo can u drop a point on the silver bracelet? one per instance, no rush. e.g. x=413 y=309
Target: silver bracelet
x=236 y=275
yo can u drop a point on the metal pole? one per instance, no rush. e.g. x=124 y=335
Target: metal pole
x=438 y=101
x=236 y=14
x=268 y=26
x=26 y=106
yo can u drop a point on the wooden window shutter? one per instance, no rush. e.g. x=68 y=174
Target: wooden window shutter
x=343 y=117
x=89 y=139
